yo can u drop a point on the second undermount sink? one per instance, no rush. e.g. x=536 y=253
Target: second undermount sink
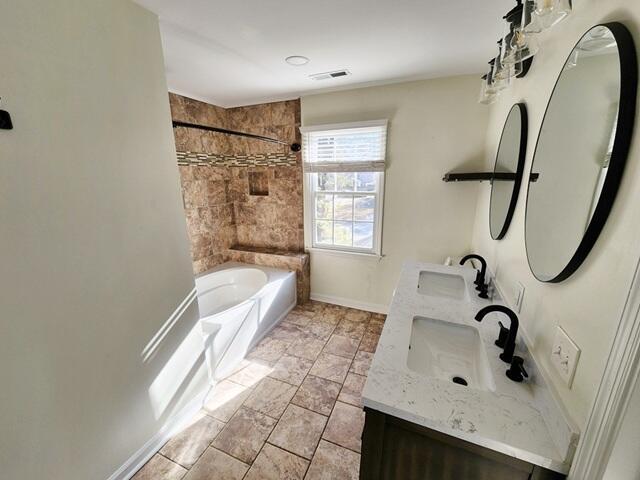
x=436 y=284
x=450 y=352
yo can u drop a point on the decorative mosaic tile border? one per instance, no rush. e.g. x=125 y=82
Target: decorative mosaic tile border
x=211 y=159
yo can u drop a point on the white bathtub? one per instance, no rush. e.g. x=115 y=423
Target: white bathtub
x=239 y=304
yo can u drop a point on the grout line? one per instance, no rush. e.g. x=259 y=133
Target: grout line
x=340 y=446
x=166 y=458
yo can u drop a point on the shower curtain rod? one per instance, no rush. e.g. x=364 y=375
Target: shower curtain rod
x=295 y=147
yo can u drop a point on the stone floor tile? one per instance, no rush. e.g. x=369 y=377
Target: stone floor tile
x=328 y=316
x=269 y=349
x=298 y=431
x=291 y=369
x=351 y=392
x=345 y=426
x=271 y=397
x=309 y=349
x=245 y=434
x=361 y=363
x=273 y=463
x=160 y=468
x=225 y=398
x=317 y=394
x=331 y=367
x=369 y=342
x=187 y=446
x=347 y=328
x=343 y=346
x=375 y=326
x=251 y=373
x=288 y=332
x=302 y=320
x=332 y=462
x=358 y=316
x=318 y=329
x=214 y=464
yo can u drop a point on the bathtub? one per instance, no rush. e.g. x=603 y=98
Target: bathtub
x=239 y=304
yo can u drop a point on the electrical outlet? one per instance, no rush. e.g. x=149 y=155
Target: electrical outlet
x=518 y=296
x=564 y=356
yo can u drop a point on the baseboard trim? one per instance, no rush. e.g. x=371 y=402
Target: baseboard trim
x=149 y=449
x=348 y=302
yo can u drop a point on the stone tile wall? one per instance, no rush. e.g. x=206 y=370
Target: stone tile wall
x=298 y=262
x=221 y=212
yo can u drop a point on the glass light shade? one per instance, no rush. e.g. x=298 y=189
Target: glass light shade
x=530 y=22
x=490 y=87
x=487 y=93
x=550 y=12
x=501 y=81
x=503 y=72
x=522 y=44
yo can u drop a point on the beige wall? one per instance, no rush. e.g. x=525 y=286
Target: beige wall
x=94 y=249
x=434 y=126
x=588 y=304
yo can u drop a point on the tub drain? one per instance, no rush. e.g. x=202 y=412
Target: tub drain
x=459 y=381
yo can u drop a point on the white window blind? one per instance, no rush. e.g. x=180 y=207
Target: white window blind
x=349 y=147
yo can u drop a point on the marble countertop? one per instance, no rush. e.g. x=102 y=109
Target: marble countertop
x=521 y=420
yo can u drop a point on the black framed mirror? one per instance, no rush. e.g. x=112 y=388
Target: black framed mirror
x=581 y=152
x=507 y=171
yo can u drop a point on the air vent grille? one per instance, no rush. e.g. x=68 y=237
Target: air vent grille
x=329 y=75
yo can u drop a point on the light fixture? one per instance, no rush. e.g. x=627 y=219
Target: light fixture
x=487 y=92
x=519 y=44
x=550 y=12
x=296 y=60
x=522 y=44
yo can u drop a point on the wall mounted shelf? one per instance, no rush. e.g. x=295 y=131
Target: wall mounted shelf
x=482 y=177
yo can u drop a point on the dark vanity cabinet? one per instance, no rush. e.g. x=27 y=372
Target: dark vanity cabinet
x=394 y=449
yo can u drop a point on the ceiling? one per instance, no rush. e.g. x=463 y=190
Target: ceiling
x=232 y=53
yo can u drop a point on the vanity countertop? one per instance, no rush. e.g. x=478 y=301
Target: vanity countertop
x=517 y=419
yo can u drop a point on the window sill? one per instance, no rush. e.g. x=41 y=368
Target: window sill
x=341 y=253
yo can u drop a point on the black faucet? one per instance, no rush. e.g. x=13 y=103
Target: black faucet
x=510 y=344
x=479 y=281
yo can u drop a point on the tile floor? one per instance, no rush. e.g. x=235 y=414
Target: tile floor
x=291 y=411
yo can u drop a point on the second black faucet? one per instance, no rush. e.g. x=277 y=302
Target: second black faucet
x=481 y=286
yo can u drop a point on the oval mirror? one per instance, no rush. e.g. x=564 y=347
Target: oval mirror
x=507 y=171
x=581 y=151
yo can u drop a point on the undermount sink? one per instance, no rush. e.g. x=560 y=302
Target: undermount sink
x=450 y=352
x=438 y=284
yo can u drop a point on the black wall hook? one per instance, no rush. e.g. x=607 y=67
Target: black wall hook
x=5 y=120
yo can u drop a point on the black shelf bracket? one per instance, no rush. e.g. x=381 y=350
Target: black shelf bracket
x=483 y=177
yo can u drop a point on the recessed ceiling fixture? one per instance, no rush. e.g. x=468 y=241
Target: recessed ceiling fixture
x=296 y=60
x=328 y=75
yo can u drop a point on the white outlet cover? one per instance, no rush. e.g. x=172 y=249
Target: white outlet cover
x=518 y=296
x=564 y=356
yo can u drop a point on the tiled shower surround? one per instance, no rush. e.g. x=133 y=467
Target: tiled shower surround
x=247 y=208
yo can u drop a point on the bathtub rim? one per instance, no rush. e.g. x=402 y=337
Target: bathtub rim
x=271 y=272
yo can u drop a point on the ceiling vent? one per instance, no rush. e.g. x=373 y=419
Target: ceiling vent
x=328 y=75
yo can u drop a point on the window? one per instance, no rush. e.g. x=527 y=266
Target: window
x=344 y=178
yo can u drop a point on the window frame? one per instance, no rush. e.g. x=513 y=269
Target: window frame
x=310 y=192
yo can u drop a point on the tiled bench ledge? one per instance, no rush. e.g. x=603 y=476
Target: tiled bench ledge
x=270 y=257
